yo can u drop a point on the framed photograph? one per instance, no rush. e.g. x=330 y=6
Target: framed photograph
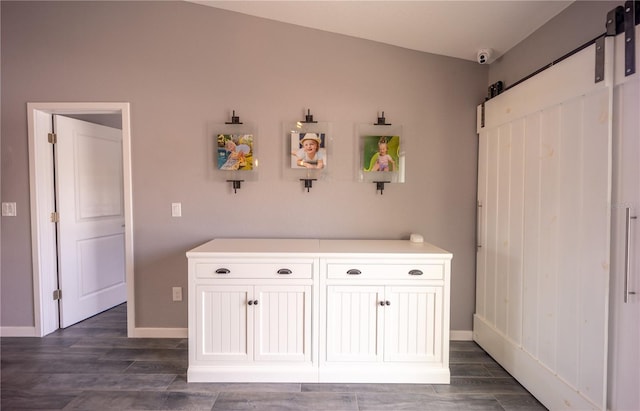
x=308 y=150
x=381 y=153
x=234 y=152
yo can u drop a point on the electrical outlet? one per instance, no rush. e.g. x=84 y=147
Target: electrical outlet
x=177 y=293
x=8 y=209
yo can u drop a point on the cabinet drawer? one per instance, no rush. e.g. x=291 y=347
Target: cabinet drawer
x=386 y=271
x=253 y=270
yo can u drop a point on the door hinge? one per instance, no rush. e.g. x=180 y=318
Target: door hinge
x=55 y=217
x=53 y=138
x=57 y=295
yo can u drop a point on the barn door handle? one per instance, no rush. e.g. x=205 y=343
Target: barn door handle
x=223 y=271
x=478 y=223
x=627 y=253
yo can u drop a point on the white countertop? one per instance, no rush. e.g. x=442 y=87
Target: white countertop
x=257 y=246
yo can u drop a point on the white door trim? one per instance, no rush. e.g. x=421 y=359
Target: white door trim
x=43 y=247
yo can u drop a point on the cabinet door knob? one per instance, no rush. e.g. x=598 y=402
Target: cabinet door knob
x=354 y=271
x=250 y=302
x=223 y=271
x=255 y=302
x=381 y=303
x=415 y=272
x=387 y=302
x=284 y=271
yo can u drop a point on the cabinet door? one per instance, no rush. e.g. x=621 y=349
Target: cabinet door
x=283 y=323
x=224 y=323
x=413 y=324
x=354 y=331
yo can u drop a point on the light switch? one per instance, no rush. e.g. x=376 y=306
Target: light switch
x=8 y=209
x=176 y=209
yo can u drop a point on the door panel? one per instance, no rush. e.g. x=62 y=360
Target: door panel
x=225 y=330
x=284 y=323
x=89 y=188
x=354 y=330
x=410 y=324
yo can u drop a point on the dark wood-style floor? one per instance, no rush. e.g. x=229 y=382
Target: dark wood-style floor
x=94 y=366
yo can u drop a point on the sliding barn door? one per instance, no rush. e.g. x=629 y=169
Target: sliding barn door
x=624 y=336
x=544 y=192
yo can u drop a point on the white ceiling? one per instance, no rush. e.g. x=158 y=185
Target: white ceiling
x=451 y=28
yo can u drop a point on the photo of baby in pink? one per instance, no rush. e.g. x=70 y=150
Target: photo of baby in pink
x=381 y=153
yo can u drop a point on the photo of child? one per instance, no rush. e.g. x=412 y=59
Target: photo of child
x=235 y=151
x=381 y=153
x=308 y=150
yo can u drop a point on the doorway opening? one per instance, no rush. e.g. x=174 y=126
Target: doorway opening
x=43 y=203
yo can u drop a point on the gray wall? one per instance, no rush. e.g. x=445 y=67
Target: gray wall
x=184 y=67
x=579 y=23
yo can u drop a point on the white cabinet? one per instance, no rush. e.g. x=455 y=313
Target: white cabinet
x=309 y=310
x=388 y=324
x=245 y=323
x=250 y=312
x=384 y=313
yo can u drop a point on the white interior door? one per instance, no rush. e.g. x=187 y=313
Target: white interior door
x=544 y=231
x=90 y=204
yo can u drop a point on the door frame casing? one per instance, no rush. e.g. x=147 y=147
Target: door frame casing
x=43 y=245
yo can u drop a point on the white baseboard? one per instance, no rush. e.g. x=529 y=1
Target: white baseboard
x=140 y=332
x=18 y=332
x=460 y=335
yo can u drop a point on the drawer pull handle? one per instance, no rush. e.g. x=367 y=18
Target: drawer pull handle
x=415 y=272
x=223 y=271
x=284 y=271
x=354 y=271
